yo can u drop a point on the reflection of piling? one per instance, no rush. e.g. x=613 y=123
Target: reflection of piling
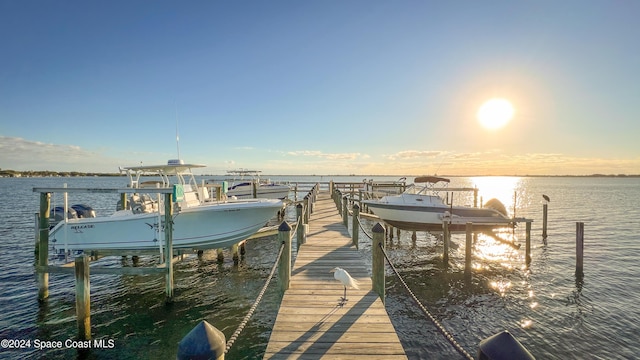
x=467 y=250
x=544 y=221
x=528 y=244
x=446 y=238
x=579 y=248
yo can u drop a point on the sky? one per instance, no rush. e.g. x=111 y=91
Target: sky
x=321 y=87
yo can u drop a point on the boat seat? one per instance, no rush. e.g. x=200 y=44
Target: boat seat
x=190 y=199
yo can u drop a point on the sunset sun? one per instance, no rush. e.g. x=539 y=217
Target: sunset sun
x=495 y=113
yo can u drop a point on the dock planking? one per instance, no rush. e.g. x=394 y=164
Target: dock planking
x=310 y=323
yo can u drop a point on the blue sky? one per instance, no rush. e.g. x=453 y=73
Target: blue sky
x=321 y=87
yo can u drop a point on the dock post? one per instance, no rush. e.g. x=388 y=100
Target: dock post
x=345 y=211
x=243 y=248
x=377 y=261
x=467 y=250
x=123 y=201
x=446 y=237
x=236 y=255
x=42 y=250
x=168 y=240
x=307 y=209
x=355 y=227
x=475 y=197
x=220 y=255
x=203 y=342
x=528 y=243
x=544 y=220
x=254 y=189
x=579 y=248
x=83 y=297
x=300 y=238
x=284 y=267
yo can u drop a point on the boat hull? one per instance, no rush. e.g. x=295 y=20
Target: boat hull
x=208 y=226
x=418 y=217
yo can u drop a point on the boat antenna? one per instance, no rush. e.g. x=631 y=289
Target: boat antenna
x=438 y=168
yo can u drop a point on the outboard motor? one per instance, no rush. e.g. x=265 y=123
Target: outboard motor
x=84 y=211
x=496 y=205
x=57 y=214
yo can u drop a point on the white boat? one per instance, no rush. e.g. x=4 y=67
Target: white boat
x=420 y=208
x=242 y=188
x=199 y=222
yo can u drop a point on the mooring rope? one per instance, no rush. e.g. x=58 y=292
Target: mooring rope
x=363 y=230
x=244 y=322
x=439 y=326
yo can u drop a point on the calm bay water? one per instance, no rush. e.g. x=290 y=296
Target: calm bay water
x=554 y=314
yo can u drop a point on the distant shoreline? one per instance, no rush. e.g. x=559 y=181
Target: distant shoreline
x=46 y=173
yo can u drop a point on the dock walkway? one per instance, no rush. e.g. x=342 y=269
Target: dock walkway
x=311 y=324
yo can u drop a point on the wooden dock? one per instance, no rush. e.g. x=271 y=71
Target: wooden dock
x=310 y=323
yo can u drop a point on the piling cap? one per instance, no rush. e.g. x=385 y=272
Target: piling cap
x=203 y=342
x=377 y=228
x=284 y=226
x=503 y=346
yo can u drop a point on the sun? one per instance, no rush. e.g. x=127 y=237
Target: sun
x=495 y=113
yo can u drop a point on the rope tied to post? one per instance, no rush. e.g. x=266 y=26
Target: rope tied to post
x=244 y=322
x=439 y=326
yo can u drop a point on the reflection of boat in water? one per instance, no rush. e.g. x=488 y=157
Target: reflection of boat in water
x=199 y=222
x=420 y=208
x=243 y=188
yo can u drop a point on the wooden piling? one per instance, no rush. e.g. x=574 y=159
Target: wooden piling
x=467 y=250
x=284 y=267
x=42 y=252
x=377 y=262
x=83 y=297
x=300 y=235
x=236 y=255
x=220 y=255
x=528 y=244
x=544 y=221
x=307 y=209
x=345 y=211
x=579 y=248
x=123 y=201
x=355 y=226
x=168 y=239
x=446 y=237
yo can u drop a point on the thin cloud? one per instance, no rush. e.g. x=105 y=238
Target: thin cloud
x=321 y=155
x=414 y=154
x=21 y=154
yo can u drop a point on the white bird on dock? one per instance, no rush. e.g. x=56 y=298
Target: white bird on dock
x=346 y=280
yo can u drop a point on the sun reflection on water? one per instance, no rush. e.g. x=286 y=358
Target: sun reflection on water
x=499 y=187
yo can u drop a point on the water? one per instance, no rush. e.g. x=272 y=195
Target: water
x=553 y=313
